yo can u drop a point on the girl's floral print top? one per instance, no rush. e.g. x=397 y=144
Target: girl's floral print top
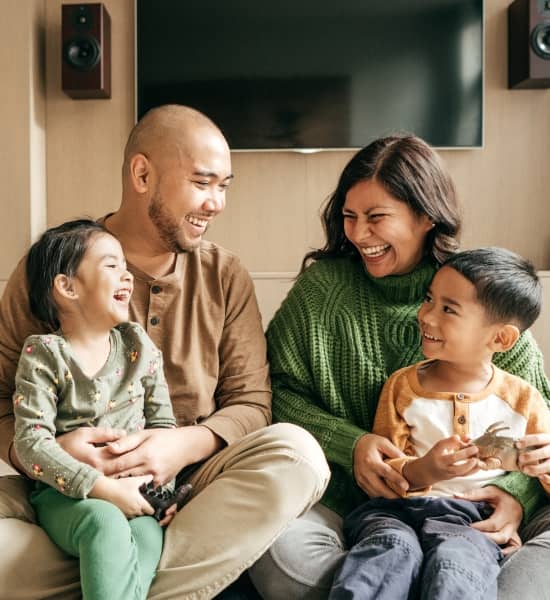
x=53 y=396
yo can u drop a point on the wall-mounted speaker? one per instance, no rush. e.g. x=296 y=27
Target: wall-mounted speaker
x=529 y=44
x=86 y=50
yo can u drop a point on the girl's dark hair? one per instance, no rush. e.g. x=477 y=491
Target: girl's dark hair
x=58 y=251
x=411 y=171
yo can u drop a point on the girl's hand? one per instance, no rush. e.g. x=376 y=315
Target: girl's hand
x=371 y=473
x=124 y=493
x=169 y=514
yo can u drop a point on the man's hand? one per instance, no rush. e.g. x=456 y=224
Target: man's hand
x=502 y=526
x=161 y=452
x=371 y=473
x=88 y=445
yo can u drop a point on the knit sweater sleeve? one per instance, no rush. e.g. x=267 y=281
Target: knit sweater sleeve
x=525 y=360
x=297 y=348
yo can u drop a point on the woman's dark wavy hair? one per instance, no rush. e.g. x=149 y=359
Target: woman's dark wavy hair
x=59 y=250
x=411 y=171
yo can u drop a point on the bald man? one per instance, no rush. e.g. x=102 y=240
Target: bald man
x=196 y=301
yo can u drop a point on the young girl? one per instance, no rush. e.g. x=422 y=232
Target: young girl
x=95 y=370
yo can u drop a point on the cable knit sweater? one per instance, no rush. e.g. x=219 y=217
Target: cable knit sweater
x=333 y=343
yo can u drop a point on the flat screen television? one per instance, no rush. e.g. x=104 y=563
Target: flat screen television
x=317 y=74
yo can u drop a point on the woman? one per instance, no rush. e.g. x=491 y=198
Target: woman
x=347 y=324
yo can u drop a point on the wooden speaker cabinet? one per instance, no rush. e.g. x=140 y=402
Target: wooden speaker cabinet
x=529 y=44
x=86 y=50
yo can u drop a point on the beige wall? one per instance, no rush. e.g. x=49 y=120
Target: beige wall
x=272 y=213
x=22 y=127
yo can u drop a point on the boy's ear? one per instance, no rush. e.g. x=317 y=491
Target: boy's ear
x=140 y=171
x=505 y=337
x=63 y=285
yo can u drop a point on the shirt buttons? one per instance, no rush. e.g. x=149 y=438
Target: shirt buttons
x=156 y=289
x=460 y=396
x=461 y=419
x=154 y=320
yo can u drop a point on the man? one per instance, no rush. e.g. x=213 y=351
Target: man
x=197 y=303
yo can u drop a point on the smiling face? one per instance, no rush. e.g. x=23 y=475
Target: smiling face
x=102 y=285
x=190 y=191
x=453 y=324
x=388 y=235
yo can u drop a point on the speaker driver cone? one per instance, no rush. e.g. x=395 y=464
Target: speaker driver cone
x=540 y=40
x=82 y=53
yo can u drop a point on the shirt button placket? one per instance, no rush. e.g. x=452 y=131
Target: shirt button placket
x=156 y=309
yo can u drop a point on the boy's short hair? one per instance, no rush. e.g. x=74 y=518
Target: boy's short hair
x=507 y=284
x=59 y=250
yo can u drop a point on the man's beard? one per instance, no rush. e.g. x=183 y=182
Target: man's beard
x=168 y=229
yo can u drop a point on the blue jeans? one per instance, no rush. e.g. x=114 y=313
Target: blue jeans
x=417 y=548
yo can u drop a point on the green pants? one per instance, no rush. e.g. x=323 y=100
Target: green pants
x=118 y=557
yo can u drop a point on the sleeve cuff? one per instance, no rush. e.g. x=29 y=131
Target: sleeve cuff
x=526 y=490
x=399 y=464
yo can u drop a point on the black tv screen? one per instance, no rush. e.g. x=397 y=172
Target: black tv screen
x=317 y=74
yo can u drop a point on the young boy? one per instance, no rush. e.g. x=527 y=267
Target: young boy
x=422 y=545
x=95 y=370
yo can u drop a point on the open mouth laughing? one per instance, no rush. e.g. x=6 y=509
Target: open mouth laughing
x=375 y=251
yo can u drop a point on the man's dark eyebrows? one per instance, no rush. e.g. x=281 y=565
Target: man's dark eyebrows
x=211 y=174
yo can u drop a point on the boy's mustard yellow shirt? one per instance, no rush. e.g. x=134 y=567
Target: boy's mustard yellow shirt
x=415 y=419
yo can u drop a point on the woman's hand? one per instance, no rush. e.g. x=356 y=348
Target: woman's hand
x=534 y=456
x=371 y=473
x=502 y=526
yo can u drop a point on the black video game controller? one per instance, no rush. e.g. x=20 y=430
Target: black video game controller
x=161 y=499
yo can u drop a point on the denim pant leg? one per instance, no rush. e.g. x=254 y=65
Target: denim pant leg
x=459 y=561
x=300 y=564
x=384 y=559
x=526 y=572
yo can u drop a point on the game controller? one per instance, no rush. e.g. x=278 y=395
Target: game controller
x=160 y=499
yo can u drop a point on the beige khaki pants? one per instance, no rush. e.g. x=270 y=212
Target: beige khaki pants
x=244 y=497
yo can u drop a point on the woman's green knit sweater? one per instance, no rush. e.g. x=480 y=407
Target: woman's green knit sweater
x=333 y=343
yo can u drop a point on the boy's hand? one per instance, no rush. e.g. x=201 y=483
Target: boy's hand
x=124 y=493
x=448 y=458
